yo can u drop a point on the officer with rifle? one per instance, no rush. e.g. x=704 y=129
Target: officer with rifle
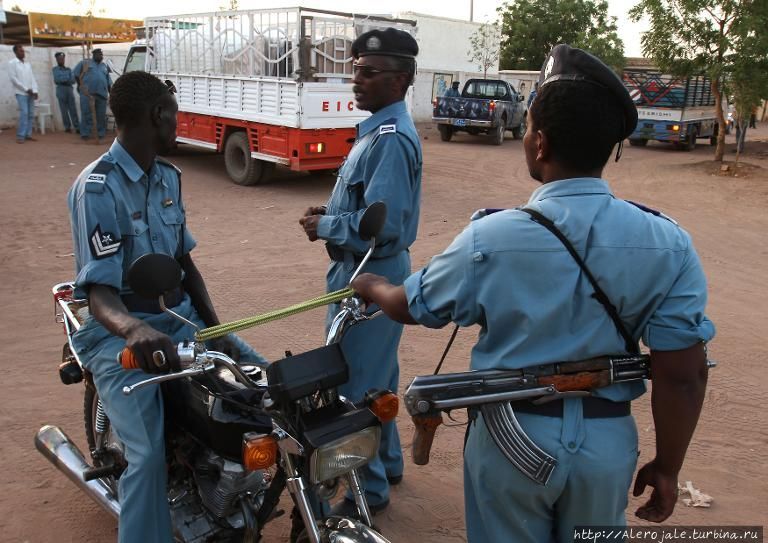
x=563 y=290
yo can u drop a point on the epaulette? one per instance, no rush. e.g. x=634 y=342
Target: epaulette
x=388 y=127
x=652 y=211
x=98 y=175
x=165 y=162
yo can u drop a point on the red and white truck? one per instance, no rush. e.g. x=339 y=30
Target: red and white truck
x=264 y=87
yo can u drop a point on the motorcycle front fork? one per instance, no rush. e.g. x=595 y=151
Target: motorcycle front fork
x=297 y=486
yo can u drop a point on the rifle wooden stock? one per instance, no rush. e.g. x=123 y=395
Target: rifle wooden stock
x=584 y=381
x=424 y=430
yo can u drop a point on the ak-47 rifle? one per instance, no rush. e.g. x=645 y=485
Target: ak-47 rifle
x=492 y=390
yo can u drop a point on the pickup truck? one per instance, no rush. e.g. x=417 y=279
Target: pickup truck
x=489 y=106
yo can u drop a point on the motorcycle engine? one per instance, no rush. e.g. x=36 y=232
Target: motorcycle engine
x=220 y=482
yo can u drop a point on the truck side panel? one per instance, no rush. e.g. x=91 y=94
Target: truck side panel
x=301 y=150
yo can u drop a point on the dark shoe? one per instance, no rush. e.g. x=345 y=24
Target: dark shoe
x=348 y=508
x=30 y=138
x=19 y=140
x=394 y=480
x=68 y=130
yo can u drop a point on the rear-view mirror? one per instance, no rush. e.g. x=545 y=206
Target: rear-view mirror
x=372 y=220
x=154 y=274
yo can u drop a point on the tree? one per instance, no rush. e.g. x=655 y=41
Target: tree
x=485 y=46
x=530 y=28
x=722 y=39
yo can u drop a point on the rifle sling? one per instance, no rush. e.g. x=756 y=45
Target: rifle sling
x=599 y=294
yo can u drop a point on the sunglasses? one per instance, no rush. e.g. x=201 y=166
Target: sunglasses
x=367 y=72
x=171 y=86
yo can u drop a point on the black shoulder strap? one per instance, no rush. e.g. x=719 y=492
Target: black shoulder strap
x=599 y=295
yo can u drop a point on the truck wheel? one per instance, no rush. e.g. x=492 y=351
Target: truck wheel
x=690 y=145
x=638 y=143
x=519 y=131
x=446 y=132
x=498 y=133
x=243 y=169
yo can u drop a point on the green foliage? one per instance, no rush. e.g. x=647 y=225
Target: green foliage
x=530 y=28
x=724 y=39
x=485 y=47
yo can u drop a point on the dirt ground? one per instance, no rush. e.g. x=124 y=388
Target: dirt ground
x=255 y=258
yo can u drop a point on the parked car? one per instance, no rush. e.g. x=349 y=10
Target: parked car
x=486 y=106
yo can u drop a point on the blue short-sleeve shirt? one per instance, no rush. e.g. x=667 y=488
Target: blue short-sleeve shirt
x=384 y=165
x=516 y=280
x=119 y=213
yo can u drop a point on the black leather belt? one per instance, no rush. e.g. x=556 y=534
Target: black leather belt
x=593 y=408
x=136 y=304
x=337 y=254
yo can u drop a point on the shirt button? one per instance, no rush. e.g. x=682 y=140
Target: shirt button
x=136 y=231
x=154 y=238
x=571 y=445
x=477 y=257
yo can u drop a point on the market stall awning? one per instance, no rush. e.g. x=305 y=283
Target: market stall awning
x=51 y=29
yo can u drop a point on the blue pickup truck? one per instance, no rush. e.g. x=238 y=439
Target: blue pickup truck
x=486 y=106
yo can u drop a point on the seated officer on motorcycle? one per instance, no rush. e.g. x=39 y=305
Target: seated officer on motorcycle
x=127 y=204
x=534 y=305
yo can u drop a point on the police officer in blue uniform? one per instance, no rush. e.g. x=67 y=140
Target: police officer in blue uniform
x=93 y=84
x=127 y=204
x=64 y=79
x=516 y=279
x=384 y=164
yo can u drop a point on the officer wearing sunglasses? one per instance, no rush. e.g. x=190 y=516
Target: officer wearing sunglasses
x=384 y=164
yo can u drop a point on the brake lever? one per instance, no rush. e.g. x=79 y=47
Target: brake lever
x=189 y=372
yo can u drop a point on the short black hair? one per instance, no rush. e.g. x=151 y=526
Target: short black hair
x=582 y=122
x=133 y=94
x=16 y=46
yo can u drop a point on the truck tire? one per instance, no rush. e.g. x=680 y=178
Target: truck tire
x=497 y=136
x=446 y=132
x=638 y=142
x=519 y=131
x=243 y=169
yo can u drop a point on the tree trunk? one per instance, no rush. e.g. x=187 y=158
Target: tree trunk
x=720 y=149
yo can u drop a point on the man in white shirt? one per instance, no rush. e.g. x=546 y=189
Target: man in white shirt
x=25 y=88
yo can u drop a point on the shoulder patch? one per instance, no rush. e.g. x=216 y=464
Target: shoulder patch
x=98 y=176
x=165 y=162
x=652 y=211
x=103 y=244
x=387 y=129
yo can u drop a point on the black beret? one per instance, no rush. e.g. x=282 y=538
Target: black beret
x=59 y=54
x=566 y=63
x=390 y=42
x=97 y=50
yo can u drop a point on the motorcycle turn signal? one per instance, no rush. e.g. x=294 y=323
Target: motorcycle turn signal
x=259 y=451
x=383 y=403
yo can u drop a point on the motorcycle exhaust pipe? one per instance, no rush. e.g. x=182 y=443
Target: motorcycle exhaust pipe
x=62 y=453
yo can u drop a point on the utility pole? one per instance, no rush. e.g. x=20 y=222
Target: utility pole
x=471 y=11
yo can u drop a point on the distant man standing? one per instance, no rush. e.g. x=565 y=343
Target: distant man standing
x=64 y=79
x=453 y=91
x=93 y=84
x=25 y=88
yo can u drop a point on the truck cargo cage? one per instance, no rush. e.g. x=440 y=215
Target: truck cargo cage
x=295 y=43
x=654 y=89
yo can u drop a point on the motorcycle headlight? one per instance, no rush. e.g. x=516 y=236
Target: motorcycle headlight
x=344 y=454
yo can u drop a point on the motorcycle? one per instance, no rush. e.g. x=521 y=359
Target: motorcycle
x=236 y=436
